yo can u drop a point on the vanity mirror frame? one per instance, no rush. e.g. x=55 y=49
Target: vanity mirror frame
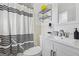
x=71 y=13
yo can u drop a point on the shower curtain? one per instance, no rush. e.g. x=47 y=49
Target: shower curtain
x=16 y=28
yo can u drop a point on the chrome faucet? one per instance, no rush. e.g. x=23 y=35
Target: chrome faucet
x=61 y=33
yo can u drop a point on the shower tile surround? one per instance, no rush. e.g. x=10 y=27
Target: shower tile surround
x=23 y=39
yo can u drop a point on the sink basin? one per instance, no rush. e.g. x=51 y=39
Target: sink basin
x=65 y=40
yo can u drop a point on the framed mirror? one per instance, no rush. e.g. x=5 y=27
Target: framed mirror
x=66 y=13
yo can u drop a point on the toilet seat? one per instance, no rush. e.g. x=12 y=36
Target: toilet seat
x=33 y=51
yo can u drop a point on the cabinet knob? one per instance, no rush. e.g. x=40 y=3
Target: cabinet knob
x=51 y=53
x=54 y=53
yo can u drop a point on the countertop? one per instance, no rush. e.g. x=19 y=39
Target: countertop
x=74 y=43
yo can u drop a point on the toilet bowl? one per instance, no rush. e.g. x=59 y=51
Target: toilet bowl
x=34 y=51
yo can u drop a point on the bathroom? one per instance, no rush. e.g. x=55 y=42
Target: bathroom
x=39 y=29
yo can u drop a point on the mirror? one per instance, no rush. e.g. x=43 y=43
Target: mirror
x=66 y=13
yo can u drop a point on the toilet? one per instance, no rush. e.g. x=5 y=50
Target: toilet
x=34 y=51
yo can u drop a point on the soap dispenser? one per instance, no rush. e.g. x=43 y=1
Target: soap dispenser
x=76 y=34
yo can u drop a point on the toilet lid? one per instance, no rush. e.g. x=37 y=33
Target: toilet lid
x=32 y=51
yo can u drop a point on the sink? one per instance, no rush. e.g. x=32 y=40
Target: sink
x=65 y=40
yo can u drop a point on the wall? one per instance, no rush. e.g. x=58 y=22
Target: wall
x=54 y=13
x=37 y=24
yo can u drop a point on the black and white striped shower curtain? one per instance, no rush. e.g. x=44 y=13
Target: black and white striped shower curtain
x=16 y=28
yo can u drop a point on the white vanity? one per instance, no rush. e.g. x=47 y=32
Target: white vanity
x=56 y=46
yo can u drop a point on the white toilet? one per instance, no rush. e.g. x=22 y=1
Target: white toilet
x=34 y=51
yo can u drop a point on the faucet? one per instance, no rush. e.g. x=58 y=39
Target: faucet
x=62 y=33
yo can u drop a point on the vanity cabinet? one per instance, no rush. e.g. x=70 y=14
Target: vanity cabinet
x=55 y=48
x=64 y=50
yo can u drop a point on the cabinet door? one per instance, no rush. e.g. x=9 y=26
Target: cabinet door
x=46 y=47
x=69 y=51
x=64 y=50
x=57 y=49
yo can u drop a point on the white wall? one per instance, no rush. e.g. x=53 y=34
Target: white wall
x=54 y=13
x=37 y=24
